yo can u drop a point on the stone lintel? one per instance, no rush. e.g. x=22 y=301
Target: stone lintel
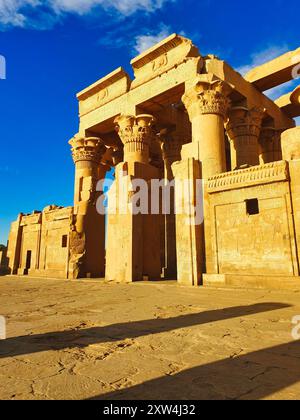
x=31 y=219
x=60 y=213
x=244 y=89
x=103 y=91
x=274 y=72
x=50 y=213
x=141 y=94
x=169 y=53
x=176 y=60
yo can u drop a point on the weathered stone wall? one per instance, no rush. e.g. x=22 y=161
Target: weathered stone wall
x=54 y=243
x=252 y=227
x=39 y=243
x=30 y=237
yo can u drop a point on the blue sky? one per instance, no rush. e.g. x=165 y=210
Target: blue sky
x=55 y=48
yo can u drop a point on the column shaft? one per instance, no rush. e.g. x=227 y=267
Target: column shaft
x=87 y=238
x=207 y=104
x=171 y=143
x=133 y=244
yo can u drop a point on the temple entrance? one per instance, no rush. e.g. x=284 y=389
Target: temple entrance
x=28 y=262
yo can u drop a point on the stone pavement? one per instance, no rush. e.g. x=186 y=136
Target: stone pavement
x=91 y=339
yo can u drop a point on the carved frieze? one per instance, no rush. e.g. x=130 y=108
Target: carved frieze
x=271 y=172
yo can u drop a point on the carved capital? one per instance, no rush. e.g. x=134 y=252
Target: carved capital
x=243 y=123
x=135 y=129
x=136 y=133
x=270 y=145
x=207 y=97
x=89 y=149
x=171 y=145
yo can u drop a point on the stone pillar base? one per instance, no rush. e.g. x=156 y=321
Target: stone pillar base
x=133 y=241
x=189 y=233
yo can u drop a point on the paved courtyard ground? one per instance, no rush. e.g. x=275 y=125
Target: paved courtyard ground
x=97 y=340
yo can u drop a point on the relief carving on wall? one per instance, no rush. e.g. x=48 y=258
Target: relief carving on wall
x=103 y=94
x=95 y=101
x=160 y=62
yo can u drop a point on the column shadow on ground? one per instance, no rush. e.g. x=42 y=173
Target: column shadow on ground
x=80 y=338
x=252 y=376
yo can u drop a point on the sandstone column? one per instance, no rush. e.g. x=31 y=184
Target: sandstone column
x=133 y=244
x=87 y=240
x=243 y=128
x=171 y=143
x=269 y=145
x=206 y=103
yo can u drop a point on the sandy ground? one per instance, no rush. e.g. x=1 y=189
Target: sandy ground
x=97 y=340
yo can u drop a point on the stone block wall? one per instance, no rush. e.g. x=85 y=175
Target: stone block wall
x=39 y=243
x=252 y=222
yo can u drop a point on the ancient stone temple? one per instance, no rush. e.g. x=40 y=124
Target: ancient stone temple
x=196 y=123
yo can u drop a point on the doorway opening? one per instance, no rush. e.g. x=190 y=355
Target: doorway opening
x=28 y=262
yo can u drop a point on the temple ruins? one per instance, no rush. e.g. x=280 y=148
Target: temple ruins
x=184 y=117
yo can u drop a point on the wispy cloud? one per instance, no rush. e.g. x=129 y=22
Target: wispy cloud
x=128 y=36
x=13 y=12
x=28 y=13
x=125 y=7
x=263 y=56
x=145 y=41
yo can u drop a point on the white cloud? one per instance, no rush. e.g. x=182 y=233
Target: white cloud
x=11 y=11
x=74 y=6
x=144 y=42
x=261 y=57
x=14 y=12
x=126 y=7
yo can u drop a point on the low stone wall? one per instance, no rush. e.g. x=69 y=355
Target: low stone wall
x=252 y=226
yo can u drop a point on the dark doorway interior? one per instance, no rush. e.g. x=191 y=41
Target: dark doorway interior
x=28 y=262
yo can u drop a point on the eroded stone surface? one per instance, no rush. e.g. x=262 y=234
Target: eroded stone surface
x=81 y=340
